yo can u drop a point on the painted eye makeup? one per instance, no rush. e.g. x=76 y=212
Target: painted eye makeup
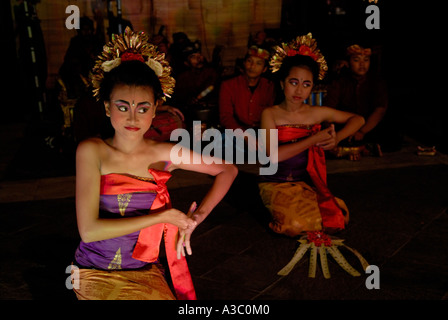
x=122 y=108
x=143 y=110
x=294 y=82
x=144 y=107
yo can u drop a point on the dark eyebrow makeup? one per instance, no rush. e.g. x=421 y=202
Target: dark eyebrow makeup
x=295 y=79
x=121 y=102
x=144 y=103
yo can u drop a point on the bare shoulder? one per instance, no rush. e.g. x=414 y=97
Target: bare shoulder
x=159 y=151
x=267 y=115
x=88 y=158
x=272 y=116
x=90 y=145
x=273 y=108
x=158 y=146
x=270 y=111
x=92 y=149
x=159 y=154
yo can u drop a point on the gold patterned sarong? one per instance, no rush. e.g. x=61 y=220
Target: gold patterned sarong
x=147 y=283
x=299 y=209
x=294 y=207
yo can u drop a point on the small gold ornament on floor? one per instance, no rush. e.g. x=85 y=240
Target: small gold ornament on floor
x=320 y=243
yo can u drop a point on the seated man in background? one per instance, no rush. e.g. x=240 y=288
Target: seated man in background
x=196 y=86
x=363 y=93
x=243 y=97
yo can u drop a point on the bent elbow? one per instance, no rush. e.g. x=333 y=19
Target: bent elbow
x=86 y=236
x=232 y=171
x=361 y=120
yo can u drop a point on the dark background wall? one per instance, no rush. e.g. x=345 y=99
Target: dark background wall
x=410 y=42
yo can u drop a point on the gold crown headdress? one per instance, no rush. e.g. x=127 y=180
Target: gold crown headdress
x=302 y=45
x=132 y=46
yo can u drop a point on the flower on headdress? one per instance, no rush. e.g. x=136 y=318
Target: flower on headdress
x=302 y=45
x=292 y=53
x=129 y=56
x=304 y=51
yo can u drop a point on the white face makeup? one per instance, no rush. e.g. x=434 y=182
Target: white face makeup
x=131 y=109
x=298 y=85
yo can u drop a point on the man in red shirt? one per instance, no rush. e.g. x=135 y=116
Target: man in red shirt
x=243 y=97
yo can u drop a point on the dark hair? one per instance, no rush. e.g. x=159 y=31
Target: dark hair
x=298 y=61
x=285 y=69
x=131 y=73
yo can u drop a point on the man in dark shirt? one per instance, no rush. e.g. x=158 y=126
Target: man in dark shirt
x=196 y=86
x=362 y=93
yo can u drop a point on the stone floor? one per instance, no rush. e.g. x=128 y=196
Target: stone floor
x=399 y=222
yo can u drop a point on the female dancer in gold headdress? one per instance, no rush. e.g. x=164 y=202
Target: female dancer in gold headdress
x=122 y=203
x=297 y=196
